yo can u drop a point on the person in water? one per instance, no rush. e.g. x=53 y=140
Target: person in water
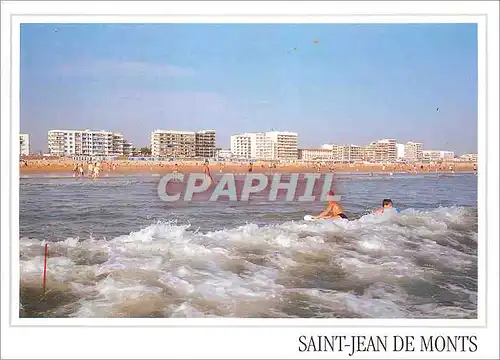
x=333 y=211
x=206 y=171
x=386 y=205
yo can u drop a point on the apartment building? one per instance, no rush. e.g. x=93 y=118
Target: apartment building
x=385 y=150
x=400 y=151
x=175 y=143
x=347 y=153
x=469 y=157
x=262 y=147
x=241 y=146
x=224 y=154
x=413 y=151
x=205 y=144
x=273 y=145
x=24 y=144
x=286 y=144
x=315 y=154
x=253 y=146
x=85 y=142
x=368 y=152
x=127 y=148
x=437 y=155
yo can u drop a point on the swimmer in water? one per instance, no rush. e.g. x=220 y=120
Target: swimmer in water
x=333 y=211
x=386 y=205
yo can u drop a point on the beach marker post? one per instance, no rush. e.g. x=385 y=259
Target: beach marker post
x=46 y=253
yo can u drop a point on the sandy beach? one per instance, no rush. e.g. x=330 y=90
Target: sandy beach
x=65 y=166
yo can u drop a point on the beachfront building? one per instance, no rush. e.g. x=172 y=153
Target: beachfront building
x=273 y=145
x=24 y=144
x=385 y=150
x=400 y=151
x=205 y=144
x=315 y=154
x=368 y=152
x=437 y=155
x=413 y=151
x=127 y=148
x=224 y=154
x=174 y=143
x=85 y=143
x=469 y=157
x=285 y=143
x=347 y=153
x=241 y=146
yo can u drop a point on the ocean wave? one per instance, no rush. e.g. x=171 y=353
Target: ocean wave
x=419 y=264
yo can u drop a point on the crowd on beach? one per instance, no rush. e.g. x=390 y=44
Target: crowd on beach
x=94 y=169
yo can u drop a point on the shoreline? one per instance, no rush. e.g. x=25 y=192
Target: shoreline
x=124 y=167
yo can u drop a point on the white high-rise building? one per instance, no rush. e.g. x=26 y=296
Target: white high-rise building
x=24 y=144
x=400 y=151
x=241 y=146
x=286 y=144
x=85 y=142
x=413 y=151
x=274 y=145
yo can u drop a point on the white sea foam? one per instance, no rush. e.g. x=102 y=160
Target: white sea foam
x=370 y=267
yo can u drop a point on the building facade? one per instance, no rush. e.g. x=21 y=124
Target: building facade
x=241 y=146
x=205 y=144
x=173 y=143
x=347 y=153
x=385 y=150
x=224 y=154
x=274 y=145
x=24 y=144
x=469 y=157
x=315 y=154
x=85 y=143
x=368 y=152
x=413 y=151
x=400 y=151
x=183 y=144
x=286 y=144
x=437 y=155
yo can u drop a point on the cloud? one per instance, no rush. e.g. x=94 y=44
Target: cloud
x=124 y=68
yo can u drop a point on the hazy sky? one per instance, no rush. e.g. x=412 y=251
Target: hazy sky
x=342 y=83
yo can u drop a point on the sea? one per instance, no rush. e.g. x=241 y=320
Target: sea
x=116 y=250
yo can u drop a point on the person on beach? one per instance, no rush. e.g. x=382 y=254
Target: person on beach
x=206 y=171
x=333 y=211
x=95 y=175
x=386 y=205
x=90 y=170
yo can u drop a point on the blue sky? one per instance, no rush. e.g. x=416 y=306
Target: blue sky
x=344 y=83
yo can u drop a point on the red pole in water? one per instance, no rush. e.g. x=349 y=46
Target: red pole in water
x=45 y=266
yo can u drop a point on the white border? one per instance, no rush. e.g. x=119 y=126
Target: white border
x=228 y=341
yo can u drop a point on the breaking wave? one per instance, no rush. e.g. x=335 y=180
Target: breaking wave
x=419 y=264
